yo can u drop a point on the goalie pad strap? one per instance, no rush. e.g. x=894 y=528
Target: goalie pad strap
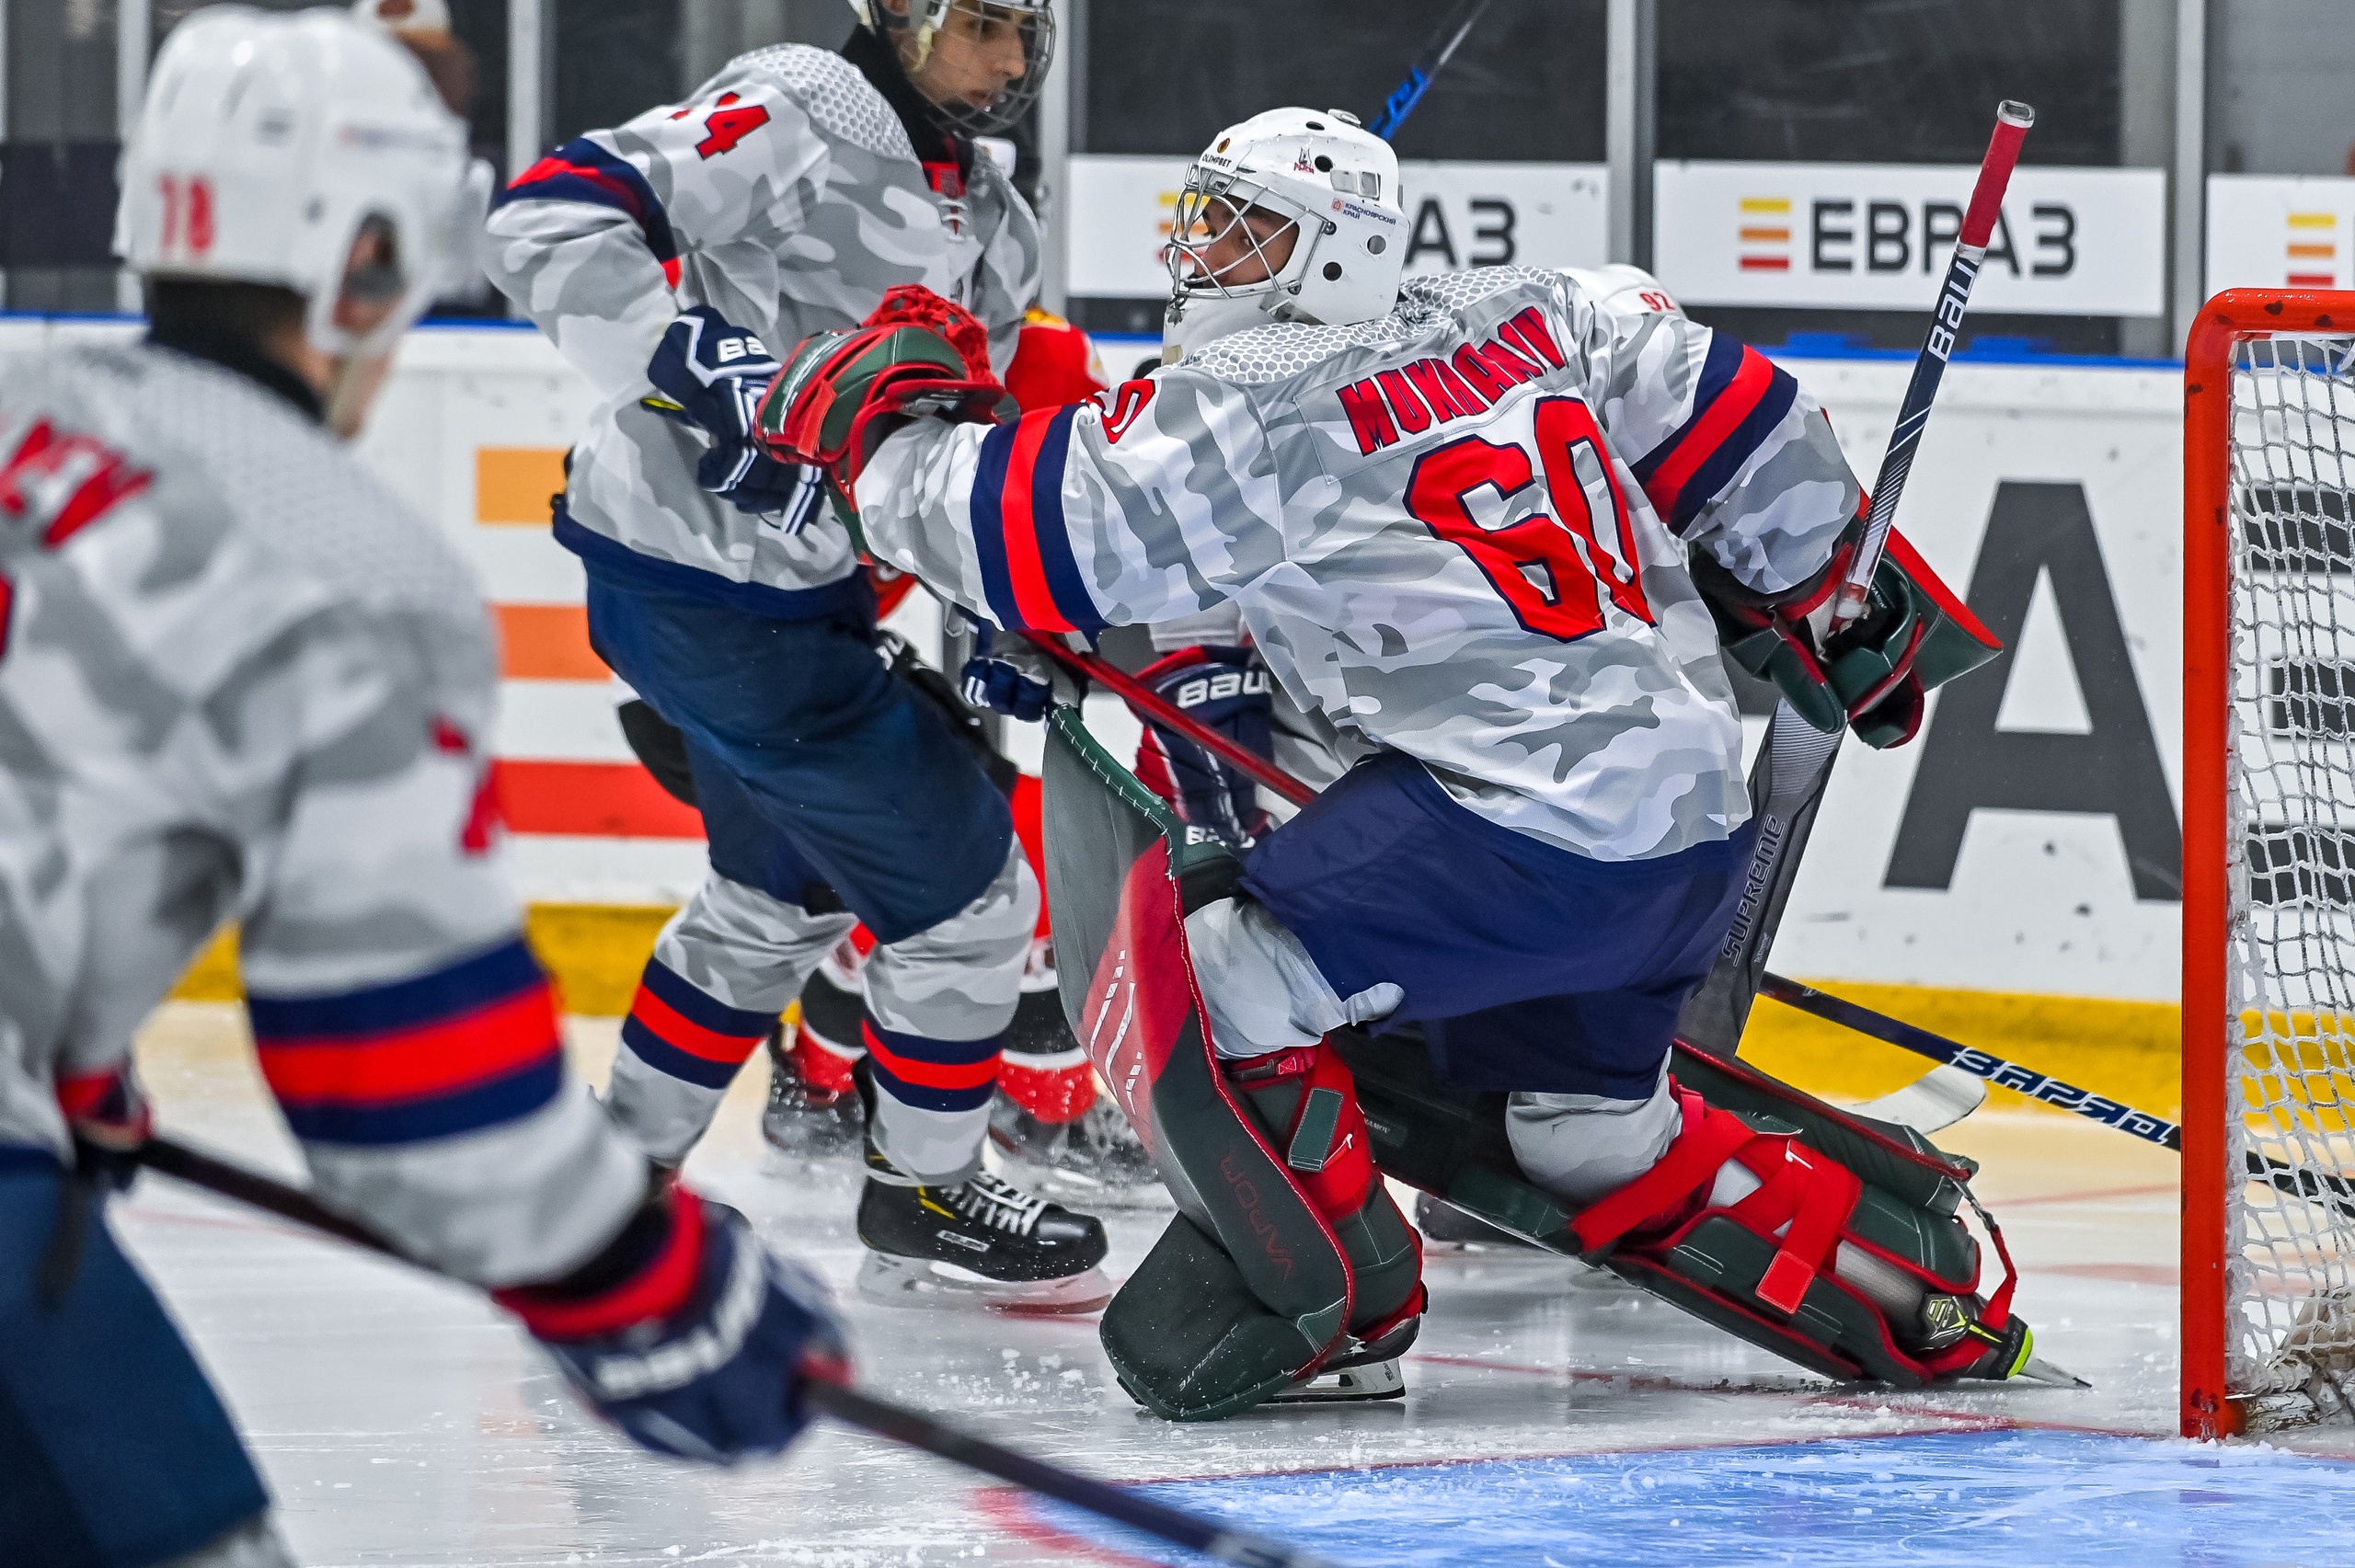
x=1799 y=1187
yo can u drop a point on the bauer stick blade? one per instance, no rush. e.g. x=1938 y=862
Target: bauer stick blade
x=2314 y=1186
x=1719 y=1010
x=1936 y=1100
x=1122 y=1506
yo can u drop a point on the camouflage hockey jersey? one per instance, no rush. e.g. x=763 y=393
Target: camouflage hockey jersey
x=1458 y=533
x=787 y=196
x=239 y=682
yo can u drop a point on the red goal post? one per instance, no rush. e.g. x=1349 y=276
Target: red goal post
x=2268 y=863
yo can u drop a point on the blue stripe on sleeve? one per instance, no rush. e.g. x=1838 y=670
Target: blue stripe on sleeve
x=989 y=524
x=1717 y=370
x=1065 y=582
x=583 y=171
x=500 y=973
x=1718 y=470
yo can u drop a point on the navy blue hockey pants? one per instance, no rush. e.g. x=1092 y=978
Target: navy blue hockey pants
x=815 y=768
x=114 y=1450
x=1534 y=968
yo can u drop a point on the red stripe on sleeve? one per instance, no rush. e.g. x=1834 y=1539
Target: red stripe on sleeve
x=1032 y=599
x=490 y=1042
x=658 y=1289
x=1725 y=415
x=675 y=1029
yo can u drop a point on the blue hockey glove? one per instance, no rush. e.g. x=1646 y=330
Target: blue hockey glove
x=751 y=481
x=714 y=372
x=705 y=1348
x=1225 y=689
x=1018 y=679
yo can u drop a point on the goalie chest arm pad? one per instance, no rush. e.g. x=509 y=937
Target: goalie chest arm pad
x=1875 y=675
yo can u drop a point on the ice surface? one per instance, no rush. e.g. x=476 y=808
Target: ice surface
x=401 y=1422
x=1940 y=1500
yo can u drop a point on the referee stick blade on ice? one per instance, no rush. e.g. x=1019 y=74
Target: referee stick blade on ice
x=1122 y=1506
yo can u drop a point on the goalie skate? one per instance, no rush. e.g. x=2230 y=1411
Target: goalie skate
x=1348 y=1385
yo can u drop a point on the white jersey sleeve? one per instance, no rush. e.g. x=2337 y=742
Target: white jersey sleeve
x=1158 y=500
x=239 y=682
x=1735 y=457
x=582 y=239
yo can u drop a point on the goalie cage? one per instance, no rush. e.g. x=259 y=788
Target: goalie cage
x=2269 y=864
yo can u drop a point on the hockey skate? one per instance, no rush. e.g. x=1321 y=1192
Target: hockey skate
x=813 y=1107
x=1051 y=1124
x=983 y=1244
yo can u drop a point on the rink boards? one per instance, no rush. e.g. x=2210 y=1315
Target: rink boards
x=2025 y=844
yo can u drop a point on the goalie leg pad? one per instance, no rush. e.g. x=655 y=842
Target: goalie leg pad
x=1189 y=1338
x=1307 y=1103
x=1788 y=1248
x=1247 y=1222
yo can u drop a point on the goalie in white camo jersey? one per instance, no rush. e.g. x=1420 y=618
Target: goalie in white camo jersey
x=787 y=194
x=239 y=682
x=1484 y=532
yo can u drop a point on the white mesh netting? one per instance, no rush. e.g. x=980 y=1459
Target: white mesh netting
x=2291 y=781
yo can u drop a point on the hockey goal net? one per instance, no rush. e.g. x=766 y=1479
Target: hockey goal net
x=2269 y=913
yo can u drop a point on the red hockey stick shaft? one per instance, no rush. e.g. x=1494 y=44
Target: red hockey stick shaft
x=2012 y=121
x=1146 y=700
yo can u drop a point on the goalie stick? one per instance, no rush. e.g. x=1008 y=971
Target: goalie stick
x=1788 y=781
x=1244 y=1549
x=2318 y=1186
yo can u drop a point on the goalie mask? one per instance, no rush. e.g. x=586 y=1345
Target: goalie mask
x=1292 y=216
x=270 y=145
x=976 y=33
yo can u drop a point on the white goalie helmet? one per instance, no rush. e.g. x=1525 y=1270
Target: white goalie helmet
x=1334 y=186
x=269 y=142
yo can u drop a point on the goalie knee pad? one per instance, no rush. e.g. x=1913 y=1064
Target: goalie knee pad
x=1781 y=1244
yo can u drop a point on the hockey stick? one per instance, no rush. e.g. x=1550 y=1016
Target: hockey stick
x=1241 y=1547
x=2317 y=1186
x=1452 y=29
x=1786 y=787
x=1149 y=703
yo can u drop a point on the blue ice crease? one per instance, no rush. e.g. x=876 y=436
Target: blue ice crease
x=1969 y=1499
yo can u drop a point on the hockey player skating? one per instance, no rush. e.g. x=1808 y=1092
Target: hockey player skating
x=238 y=680
x=1486 y=534
x=787 y=196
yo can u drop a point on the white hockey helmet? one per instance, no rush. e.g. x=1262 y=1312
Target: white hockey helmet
x=923 y=19
x=269 y=141
x=1336 y=186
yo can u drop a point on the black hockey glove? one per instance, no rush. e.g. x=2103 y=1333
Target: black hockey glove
x=711 y=373
x=1225 y=689
x=689 y=1335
